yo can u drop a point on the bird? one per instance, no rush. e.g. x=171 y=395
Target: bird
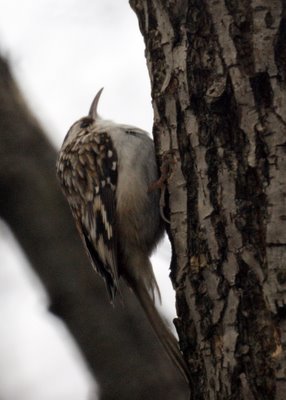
x=105 y=170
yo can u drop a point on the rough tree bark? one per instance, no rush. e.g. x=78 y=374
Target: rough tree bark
x=218 y=75
x=118 y=343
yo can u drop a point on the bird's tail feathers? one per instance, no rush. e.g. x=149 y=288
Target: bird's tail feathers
x=166 y=338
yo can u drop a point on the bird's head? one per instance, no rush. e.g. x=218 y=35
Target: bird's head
x=82 y=126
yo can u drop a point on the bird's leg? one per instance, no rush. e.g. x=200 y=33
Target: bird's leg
x=166 y=169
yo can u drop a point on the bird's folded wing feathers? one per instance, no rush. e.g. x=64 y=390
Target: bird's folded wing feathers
x=95 y=213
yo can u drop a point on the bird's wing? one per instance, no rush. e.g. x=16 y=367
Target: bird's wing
x=95 y=181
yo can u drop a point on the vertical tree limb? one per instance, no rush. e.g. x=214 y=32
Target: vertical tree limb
x=217 y=70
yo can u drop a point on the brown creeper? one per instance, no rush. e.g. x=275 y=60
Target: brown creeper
x=105 y=170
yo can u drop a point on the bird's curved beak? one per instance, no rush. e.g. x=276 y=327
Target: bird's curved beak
x=93 y=108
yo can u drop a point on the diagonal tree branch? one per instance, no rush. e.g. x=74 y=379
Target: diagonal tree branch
x=118 y=343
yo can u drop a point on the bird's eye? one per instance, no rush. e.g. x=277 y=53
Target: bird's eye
x=85 y=122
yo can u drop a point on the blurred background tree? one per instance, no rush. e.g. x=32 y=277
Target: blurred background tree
x=117 y=342
x=35 y=211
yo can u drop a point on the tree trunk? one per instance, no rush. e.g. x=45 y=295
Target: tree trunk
x=118 y=343
x=218 y=74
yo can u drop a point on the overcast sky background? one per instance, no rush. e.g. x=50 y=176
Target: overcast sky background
x=62 y=53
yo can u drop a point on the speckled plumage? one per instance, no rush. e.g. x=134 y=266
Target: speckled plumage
x=87 y=170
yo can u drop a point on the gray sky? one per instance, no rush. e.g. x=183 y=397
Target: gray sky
x=62 y=53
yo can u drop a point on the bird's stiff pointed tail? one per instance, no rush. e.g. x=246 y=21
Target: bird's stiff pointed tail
x=164 y=335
